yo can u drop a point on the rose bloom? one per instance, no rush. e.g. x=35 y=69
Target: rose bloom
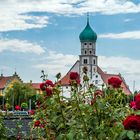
x=137 y=97
x=132 y=122
x=49 y=83
x=74 y=76
x=133 y=104
x=114 y=82
x=31 y=112
x=17 y=107
x=138 y=104
x=42 y=86
x=49 y=91
x=37 y=123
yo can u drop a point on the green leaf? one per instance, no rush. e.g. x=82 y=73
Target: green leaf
x=130 y=135
x=137 y=112
x=70 y=136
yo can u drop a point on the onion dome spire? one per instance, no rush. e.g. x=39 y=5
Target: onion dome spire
x=88 y=34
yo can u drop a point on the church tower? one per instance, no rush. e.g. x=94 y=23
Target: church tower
x=88 y=56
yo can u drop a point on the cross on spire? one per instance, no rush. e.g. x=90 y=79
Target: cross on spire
x=87 y=17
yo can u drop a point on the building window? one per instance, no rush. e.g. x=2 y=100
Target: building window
x=85 y=61
x=94 y=62
x=90 y=52
x=85 y=43
x=90 y=43
x=85 y=52
x=96 y=81
x=96 y=76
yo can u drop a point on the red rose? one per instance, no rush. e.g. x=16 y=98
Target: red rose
x=132 y=122
x=42 y=86
x=17 y=107
x=137 y=100
x=31 y=112
x=114 y=82
x=137 y=97
x=37 y=123
x=132 y=104
x=49 y=83
x=74 y=76
x=137 y=104
x=49 y=91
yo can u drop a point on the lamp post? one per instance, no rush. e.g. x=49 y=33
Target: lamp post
x=13 y=102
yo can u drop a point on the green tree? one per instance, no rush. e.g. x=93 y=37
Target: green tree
x=18 y=93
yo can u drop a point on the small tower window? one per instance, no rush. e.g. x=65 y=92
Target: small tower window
x=85 y=43
x=85 y=52
x=96 y=81
x=90 y=52
x=85 y=61
x=90 y=43
x=94 y=62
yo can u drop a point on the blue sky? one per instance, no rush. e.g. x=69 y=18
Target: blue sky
x=44 y=34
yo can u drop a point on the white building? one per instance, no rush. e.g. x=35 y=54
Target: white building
x=89 y=59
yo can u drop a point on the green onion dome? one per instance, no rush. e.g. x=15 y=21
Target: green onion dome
x=88 y=34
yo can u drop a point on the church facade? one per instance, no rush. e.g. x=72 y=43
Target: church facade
x=89 y=59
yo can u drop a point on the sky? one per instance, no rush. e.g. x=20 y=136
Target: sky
x=40 y=35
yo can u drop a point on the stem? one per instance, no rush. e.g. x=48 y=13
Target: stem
x=85 y=126
x=64 y=120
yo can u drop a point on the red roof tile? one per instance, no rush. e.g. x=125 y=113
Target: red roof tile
x=3 y=81
x=35 y=85
x=106 y=76
x=65 y=80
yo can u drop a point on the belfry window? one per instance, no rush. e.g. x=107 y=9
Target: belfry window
x=94 y=62
x=85 y=61
x=85 y=52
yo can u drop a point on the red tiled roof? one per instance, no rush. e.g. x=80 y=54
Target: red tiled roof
x=35 y=85
x=106 y=76
x=3 y=81
x=65 y=80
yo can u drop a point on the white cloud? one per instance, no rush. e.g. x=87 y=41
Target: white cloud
x=23 y=46
x=13 y=13
x=124 y=35
x=57 y=62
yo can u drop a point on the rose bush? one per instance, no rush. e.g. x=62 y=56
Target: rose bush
x=90 y=114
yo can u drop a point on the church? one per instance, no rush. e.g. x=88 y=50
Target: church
x=89 y=59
